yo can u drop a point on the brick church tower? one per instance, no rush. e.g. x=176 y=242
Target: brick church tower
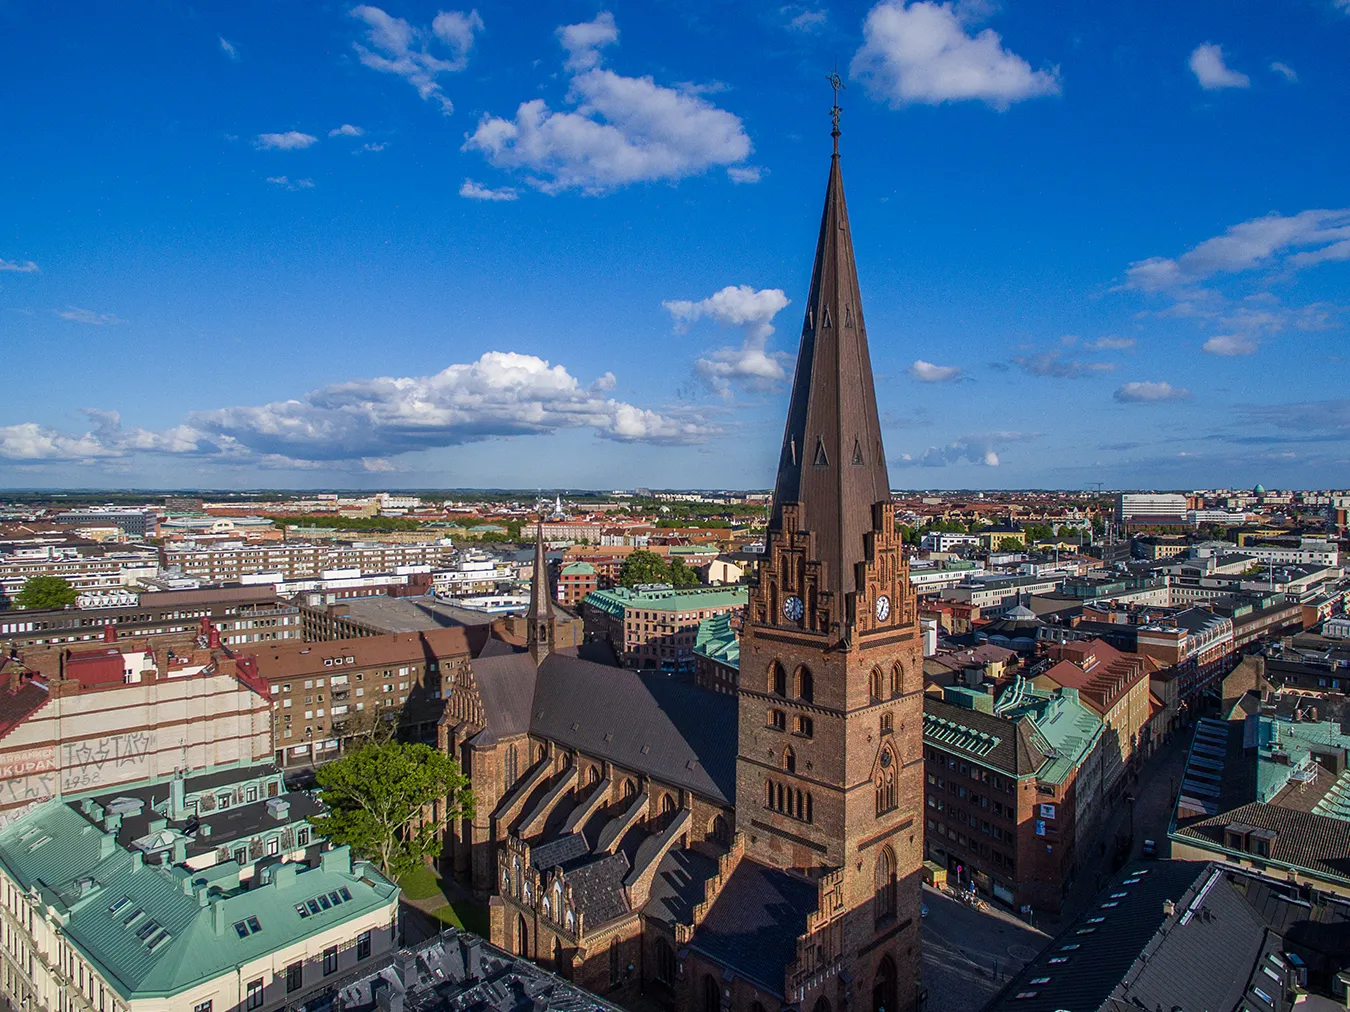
x=829 y=770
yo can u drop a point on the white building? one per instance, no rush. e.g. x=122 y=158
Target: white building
x=1168 y=505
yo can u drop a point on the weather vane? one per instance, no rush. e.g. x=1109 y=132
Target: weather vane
x=837 y=84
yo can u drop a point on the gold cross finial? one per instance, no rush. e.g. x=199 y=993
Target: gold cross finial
x=837 y=84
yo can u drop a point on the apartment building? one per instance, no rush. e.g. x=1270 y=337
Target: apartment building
x=86 y=566
x=207 y=893
x=1151 y=506
x=232 y=561
x=656 y=627
x=240 y=615
x=325 y=694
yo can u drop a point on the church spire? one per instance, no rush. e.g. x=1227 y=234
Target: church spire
x=832 y=468
x=540 y=637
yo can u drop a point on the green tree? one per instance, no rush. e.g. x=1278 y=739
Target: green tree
x=643 y=566
x=46 y=592
x=1009 y=545
x=377 y=798
x=682 y=575
x=1038 y=532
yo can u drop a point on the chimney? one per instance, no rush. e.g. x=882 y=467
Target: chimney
x=218 y=916
x=213 y=637
x=179 y=851
x=177 y=800
x=109 y=633
x=107 y=843
x=473 y=958
x=407 y=967
x=1169 y=907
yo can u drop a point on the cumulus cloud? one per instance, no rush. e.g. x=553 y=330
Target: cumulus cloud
x=1150 y=392
x=346 y=130
x=500 y=394
x=477 y=191
x=751 y=365
x=1054 y=364
x=1286 y=71
x=291 y=140
x=925 y=52
x=22 y=266
x=228 y=49
x=1207 y=65
x=927 y=372
x=805 y=19
x=584 y=41
x=77 y=315
x=1230 y=345
x=980 y=448
x=394 y=46
x=1319 y=235
x=623 y=129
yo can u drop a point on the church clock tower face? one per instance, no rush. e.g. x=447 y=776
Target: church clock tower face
x=883 y=608
x=793 y=609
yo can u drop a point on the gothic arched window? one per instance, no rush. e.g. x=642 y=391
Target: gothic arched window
x=883 y=886
x=805 y=688
x=885 y=782
x=777 y=679
x=789 y=760
x=874 y=684
x=897 y=678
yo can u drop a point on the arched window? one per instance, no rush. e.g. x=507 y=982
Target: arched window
x=541 y=753
x=883 y=986
x=665 y=961
x=522 y=937
x=593 y=777
x=874 y=684
x=778 y=720
x=756 y=1007
x=512 y=766
x=885 y=782
x=562 y=965
x=667 y=804
x=897 y=678
x=805 y=689
x=548 y=907
x=810 y=816
x=789 y=760
x=712 y=994
x=883 y=886
x=803 y=726
x=629 y=789
x=777 y=679
x=768 y=794
x=721 y=830
x=569 y=920
x=822 y=1005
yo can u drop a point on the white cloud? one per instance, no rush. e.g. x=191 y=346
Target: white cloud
x=1111 y=343
x=805 y=20
x=1149 y=392
x=1207 y=64
x=22 y=266
x=751 y=365
x=368 y=421
x=1286 y=71
x=927 y=372
x=346 y=130
x=1230 y=344
x=1054 y=364
x=921 y=53
x=286 y=183
x=393 y=46
x=980 y=448
x=500 y=394
x=477 y=191
x=291 y=140
x=623 y=130
x=745 y=173
x=584 y=41
x=76 y=315
x=228 y=49
x=380 y=146
x=1322 y=235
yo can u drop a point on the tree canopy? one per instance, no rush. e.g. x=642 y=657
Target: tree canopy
x=377 y=798
x=46 y=592
x=643 y=566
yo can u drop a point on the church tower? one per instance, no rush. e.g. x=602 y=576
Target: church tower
x=829 y=769
x=542 y=632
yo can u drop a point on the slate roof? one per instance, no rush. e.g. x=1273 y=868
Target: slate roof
x=645 y=721
x=506 y=682
x=993 y=741
x=1318 y=843
x=19 y=705
x=597 y=889
x=755 y=922
x=679 y=886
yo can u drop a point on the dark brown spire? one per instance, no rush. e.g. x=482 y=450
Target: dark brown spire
x=540 y=636
x=833 y=466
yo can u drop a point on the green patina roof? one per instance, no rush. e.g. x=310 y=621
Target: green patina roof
x=81 y=873
x=1296 y=740
x=717 y=641
x=578 y=569
x=1068 y=727
x=616 y=600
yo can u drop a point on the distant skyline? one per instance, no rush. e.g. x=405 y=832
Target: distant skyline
x=567 y=245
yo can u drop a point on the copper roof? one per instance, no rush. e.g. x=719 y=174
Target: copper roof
x=832 y=461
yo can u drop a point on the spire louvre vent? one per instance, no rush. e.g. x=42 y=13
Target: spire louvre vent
x=857 y=453
x=821 y=459
x=825 y=319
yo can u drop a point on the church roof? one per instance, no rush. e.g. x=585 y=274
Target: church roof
x=506 y=684
x=645 y=721
x=832 y=463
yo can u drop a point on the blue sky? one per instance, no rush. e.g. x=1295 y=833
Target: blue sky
x=566 y=244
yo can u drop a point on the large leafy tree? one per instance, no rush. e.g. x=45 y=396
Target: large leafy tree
x=378 y=797
x=643 y=566
x=46 y=592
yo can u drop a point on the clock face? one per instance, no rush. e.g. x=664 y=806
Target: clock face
x=792 y=608
x=883 y=608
